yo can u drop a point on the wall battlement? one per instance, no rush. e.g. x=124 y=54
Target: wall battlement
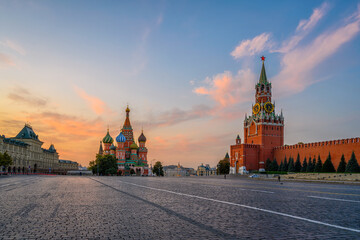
x=336 y=148
x=320 y=144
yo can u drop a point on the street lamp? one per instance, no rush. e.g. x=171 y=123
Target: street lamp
x=218 y=166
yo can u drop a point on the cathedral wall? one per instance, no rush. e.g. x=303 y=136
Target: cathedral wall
x=335 y=147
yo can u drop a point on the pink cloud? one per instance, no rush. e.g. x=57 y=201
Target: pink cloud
x=253 y=46
x=227 y=89
x=96 y=104
x=14 y=46
x=298 y=63
x=303 y=28
x=6 y=60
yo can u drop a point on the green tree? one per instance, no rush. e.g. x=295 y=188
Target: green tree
x=5 y=160
x=297 y=165
x=309 y=167
x=342 y=165
x=352 y=166
x=314 y=164
x=93 y=167
x=318 y=166
x=158 y=169
x=285 y=166
x=328 y=166
x=274 y=165
x=268 y=165
x=105 y=163
x=304 y=165
x=281 y=166
x=223 y=167
x=291 y=167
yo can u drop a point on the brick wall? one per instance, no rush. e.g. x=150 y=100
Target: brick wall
x=335 y=147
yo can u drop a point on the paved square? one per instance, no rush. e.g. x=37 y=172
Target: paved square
x=79 y=207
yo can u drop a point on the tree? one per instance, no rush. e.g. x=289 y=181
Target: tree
x=352 y=166
x=314 y=163
x=304 y=165
x=285 y=166
x=310 y=167
x=93 y=167
x=268 y=165
x=274 y=165
x=224 y=167
x=297 y=166
x=342 y=165
x=5 y=160
x=291 y=167
x=105 y=164
x=318 y=166
x=158 y=169
x=281 y=166
x=328 y=166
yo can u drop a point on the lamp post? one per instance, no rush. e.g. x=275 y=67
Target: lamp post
x=218 y=166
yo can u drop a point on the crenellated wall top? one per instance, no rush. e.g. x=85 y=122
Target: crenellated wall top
x=324 y=143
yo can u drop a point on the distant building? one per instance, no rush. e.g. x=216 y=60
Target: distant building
x=29 y=156
x=177 y=171
x=205 y=170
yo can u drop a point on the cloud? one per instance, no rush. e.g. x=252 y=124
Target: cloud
x=96 y=104
x=14 y=46
x=253 y=46
x=227 y=89
x=317 y=14
x=303 y=29
x=176 y=116
x=68 y=126
x=6 y=60
x=22 y=95
x=297 y=64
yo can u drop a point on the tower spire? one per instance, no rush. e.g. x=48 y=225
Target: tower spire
x=263 y=78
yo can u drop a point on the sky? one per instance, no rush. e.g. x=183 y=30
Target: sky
x=187 y=70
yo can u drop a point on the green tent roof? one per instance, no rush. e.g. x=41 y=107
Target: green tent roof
x=27 y=133
x=263 y=78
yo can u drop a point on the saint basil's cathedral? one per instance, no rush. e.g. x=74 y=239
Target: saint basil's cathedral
x=128 y=154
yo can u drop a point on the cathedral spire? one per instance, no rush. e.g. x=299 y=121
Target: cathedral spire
x=127 y=120
x=263 y=78
x=101 y=151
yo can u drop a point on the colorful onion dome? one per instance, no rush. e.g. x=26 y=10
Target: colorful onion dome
x=134 y=146
x=121 y=138
x=142 y=137
x=108 y=138
x=112 y=147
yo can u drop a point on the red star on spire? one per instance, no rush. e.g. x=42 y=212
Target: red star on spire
x=263 y=58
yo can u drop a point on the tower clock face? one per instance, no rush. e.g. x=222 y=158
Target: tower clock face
x=269 y=108
x=256 y=108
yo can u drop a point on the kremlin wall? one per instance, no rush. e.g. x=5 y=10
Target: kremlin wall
x=336 y=148
x=264 y=137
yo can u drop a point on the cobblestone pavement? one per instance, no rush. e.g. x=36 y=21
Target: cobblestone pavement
x=80 y=207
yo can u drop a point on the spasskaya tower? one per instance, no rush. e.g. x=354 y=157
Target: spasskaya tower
x=263 y=131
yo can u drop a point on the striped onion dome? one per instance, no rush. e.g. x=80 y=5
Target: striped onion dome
x=108 y=138
x=121 y=138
